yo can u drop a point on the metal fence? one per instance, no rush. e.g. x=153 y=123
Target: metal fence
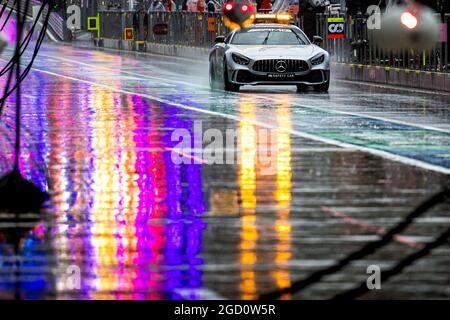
x=200 y=29
x=183 y=28
x=358 y=47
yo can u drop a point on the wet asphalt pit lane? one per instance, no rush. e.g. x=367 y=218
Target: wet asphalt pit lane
x=136 y=225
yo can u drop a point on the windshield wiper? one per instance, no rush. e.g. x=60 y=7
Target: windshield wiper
x=267 y=38
x=299 y=39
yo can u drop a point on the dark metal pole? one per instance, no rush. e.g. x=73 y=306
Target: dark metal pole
x=17 y=151
x=18 y=91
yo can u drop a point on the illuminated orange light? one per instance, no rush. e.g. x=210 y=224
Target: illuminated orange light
x=230 y=24
x=265 y=16
x=408 y=20
x=283 y=16
x=272 y=17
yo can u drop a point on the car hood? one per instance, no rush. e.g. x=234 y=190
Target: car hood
x=275 y=52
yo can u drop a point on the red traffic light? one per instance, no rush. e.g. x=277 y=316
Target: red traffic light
x=409 y=20
x=228 y=6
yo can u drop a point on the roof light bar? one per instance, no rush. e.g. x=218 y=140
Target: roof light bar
x=272 y=17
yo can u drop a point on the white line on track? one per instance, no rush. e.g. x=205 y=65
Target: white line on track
x=362 y=115
x=380 y=153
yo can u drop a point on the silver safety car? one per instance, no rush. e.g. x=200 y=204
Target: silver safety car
x=268 y=54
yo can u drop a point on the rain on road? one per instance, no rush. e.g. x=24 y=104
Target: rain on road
x=347 y=165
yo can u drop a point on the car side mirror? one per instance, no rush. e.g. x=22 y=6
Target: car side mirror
x=317 y=40
x=219 y=39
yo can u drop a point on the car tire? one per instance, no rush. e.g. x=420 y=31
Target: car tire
x=301 y=88
x=213 y=83
x=227 y=84
x=323 y=87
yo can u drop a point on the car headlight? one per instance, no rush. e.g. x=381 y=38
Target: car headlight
x=240 y=59
x=318 y=60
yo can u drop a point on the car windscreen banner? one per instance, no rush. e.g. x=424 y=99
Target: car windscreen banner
x=336 y=28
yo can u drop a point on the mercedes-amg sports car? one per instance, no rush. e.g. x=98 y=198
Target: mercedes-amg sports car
x=268 y=54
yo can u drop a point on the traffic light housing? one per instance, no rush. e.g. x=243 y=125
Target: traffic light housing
x=238 y=14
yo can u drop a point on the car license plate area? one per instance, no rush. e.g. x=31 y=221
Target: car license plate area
x=281 y=76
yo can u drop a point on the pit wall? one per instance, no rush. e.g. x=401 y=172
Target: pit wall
x=428 y=80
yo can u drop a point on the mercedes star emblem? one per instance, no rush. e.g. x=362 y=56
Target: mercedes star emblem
x=281 y=66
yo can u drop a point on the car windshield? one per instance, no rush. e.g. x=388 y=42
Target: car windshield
x=269 y=36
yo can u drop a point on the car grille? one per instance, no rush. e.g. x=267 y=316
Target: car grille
x=315 y=76
x=270 y=65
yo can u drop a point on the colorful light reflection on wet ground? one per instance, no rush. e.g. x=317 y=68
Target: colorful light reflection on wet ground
x=139 y=226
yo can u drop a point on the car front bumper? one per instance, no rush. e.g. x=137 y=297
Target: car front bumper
x=246 y=75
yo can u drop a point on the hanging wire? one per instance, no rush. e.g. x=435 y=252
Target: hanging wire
x=398 y=268
x=4 y=8
x=7 y=91
x=27 y=69
x=26 y=41
x=363 y=252
x=15 y=56
x=9 y=15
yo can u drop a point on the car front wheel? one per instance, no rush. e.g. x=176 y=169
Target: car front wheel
x=302 y=88
x=323 y=87
x=227 y=84
x=213 y=83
